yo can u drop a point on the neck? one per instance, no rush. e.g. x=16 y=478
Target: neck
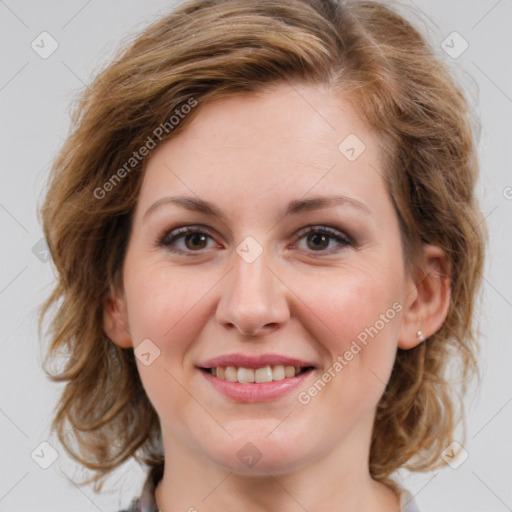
x=334 y=481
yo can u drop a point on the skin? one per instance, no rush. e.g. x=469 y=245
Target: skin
x=250 y=156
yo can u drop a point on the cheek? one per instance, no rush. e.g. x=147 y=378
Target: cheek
x=162 y=302
x=353 y=303
x=356 y=319
x=169 y=307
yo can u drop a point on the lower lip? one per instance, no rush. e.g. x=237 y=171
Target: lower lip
x=256 y=392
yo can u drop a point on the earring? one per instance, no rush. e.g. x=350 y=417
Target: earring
x=420 y=336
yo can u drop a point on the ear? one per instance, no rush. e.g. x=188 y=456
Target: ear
x=115 y=318
x=428 y=299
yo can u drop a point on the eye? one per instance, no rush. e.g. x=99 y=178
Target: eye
x=319 y=237
x=194 y=239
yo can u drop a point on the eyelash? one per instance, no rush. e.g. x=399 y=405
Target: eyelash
x=171 y=236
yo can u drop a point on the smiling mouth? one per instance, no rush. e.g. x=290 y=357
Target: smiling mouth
x=256 y=375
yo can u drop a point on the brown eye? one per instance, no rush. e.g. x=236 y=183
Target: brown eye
x=192 y=239
x=318 y=239
x=195 y=241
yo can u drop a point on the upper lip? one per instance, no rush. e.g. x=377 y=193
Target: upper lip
x=245 y=361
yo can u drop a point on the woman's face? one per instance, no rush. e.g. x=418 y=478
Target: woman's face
x=275 y=280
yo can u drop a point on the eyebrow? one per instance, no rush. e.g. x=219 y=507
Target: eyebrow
x=294 y=207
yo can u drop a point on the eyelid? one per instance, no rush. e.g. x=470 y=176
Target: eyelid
x=179 y=233
x=343 y=239
x=332 y=231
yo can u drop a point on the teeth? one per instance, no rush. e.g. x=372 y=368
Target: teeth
x=245 y=375
x=231 y=374
x=289 y=371
x=263 y=374
x=279 y=372
x=258 y=375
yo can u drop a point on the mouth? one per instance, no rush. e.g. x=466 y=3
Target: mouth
x=259 y=375
x=265 y=377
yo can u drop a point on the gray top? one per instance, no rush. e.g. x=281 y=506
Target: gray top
x=146 y=501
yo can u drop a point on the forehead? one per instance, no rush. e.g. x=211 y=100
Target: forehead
x=279 y=144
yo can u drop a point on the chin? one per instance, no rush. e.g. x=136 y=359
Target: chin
x=259 y=455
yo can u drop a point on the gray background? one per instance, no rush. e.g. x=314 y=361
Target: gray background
x=35 y=95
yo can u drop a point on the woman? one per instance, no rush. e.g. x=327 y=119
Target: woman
x=268 y=249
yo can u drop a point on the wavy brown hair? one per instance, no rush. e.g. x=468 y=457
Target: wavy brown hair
x=207 y=49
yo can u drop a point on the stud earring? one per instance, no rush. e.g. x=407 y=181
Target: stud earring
x=420 y=336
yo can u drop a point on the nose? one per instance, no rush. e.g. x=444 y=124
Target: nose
x=254 y=299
